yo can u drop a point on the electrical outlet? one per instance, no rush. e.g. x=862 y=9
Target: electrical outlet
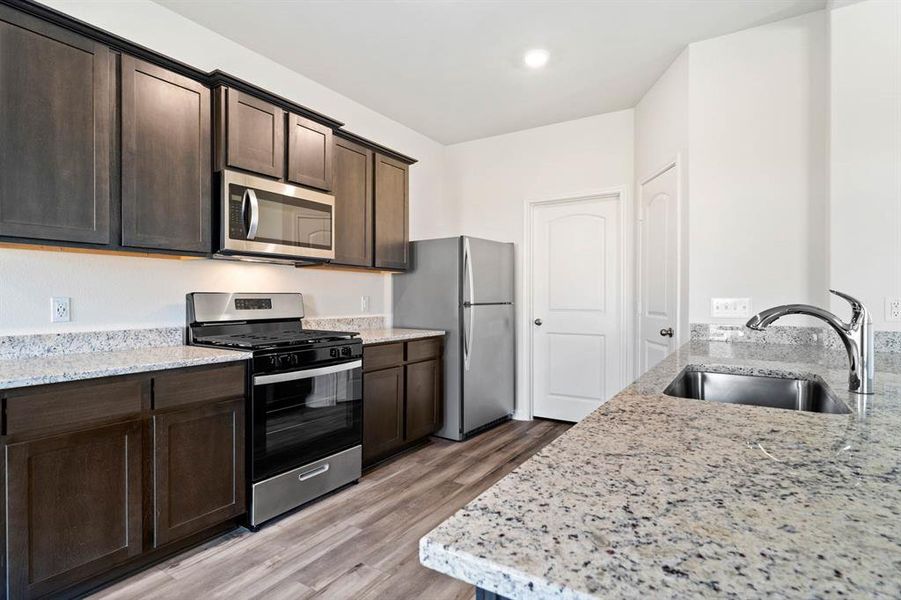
x=730 y=307
x=893 y=309
x=60 y=310
x=364 y=304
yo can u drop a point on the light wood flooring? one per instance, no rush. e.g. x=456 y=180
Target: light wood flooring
x=362 y=542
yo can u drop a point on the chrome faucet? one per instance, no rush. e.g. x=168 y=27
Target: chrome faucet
x=857 y=336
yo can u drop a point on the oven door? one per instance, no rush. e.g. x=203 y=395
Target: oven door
x=303 y=416
x=268 y=218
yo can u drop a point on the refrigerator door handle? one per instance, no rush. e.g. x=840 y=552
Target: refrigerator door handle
x=468 y=331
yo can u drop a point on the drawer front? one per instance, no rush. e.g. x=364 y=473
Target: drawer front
x=68 y=406
x=423 y=349
x=382 y=357
x=178 y=388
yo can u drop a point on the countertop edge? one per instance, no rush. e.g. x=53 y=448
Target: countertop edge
x=436 y=557
x=372 y=337
x=102 y=372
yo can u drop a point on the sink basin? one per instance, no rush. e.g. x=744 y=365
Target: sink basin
x=808 y=395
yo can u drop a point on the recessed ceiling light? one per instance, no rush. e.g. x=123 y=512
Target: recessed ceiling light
x=537 y=58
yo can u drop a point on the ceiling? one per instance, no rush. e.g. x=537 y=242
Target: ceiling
x=453 y=70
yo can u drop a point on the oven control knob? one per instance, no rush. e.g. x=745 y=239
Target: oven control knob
x=294 y=360
x=333 y=353
x=345 y=351
x=273 y=361
x=284 y=360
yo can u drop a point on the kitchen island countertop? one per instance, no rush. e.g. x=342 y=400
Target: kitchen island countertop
x=654 y=496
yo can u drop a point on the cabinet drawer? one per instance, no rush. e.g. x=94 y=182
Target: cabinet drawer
x=178 y=388
x=423 y=349
x=69 y=406
x=380 y=357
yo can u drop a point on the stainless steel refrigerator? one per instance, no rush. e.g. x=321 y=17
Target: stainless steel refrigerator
x=464 y=285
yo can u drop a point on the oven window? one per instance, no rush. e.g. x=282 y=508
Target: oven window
x=299 y=421
x=289 y=221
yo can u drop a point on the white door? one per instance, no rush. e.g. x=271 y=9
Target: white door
x=658 y=277
x=576 y=294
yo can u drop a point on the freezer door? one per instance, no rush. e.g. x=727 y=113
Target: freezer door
x=489 y=364
x=487 y=271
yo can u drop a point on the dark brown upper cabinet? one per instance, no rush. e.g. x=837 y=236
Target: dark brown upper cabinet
x=55 y=123
x=166 y=165
x=250 y=134
x=310 y=152
x=391 y=213
x=353 y=204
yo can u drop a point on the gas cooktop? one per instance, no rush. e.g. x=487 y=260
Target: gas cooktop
x=272 y=339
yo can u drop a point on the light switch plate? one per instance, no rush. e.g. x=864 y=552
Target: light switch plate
x=60 y=310
x=892 y=309
x=730 y=307
x=364 y=304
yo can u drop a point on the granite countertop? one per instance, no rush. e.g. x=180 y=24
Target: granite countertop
x=653 y=496
x=396 y=334
x=56 y=368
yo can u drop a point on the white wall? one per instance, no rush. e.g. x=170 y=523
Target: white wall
x=865 y=154
x=491 y=179
x=661 y=137
x=758 y=122
x=114 y=292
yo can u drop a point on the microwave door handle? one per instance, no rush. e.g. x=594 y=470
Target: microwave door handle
x=249 y=203
x=306 y=373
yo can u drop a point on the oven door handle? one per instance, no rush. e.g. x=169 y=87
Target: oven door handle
x=306 y=373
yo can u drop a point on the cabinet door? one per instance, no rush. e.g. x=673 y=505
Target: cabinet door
x=383 y=413
x=54 y=132
x=391 y=213
x=74 y=507
x=255 y=132
x=310 y=151
x=199 y=468
x=166 y=166
x=423 y=410
x=353 y=204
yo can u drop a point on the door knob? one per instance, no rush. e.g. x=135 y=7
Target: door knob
x=538 y=322
x=668 y=332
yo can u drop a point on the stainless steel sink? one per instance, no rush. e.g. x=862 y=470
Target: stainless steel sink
x=774 y=392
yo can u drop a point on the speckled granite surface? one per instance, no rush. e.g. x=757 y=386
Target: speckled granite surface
x=345 y=323
x=653 y=496
x=381 y=336
x=20 y=346
x=883 y=341
x=57 y=368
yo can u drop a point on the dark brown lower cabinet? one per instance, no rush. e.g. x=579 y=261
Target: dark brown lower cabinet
x=199 y=468
x=423 y=399
x=383 y=413
x=402 y=396
x=93 y=488
x=74 y=507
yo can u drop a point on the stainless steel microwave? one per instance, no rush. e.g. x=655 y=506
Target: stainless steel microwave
x=266 y=220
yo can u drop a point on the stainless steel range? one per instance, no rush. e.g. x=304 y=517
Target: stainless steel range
x=305 y=418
